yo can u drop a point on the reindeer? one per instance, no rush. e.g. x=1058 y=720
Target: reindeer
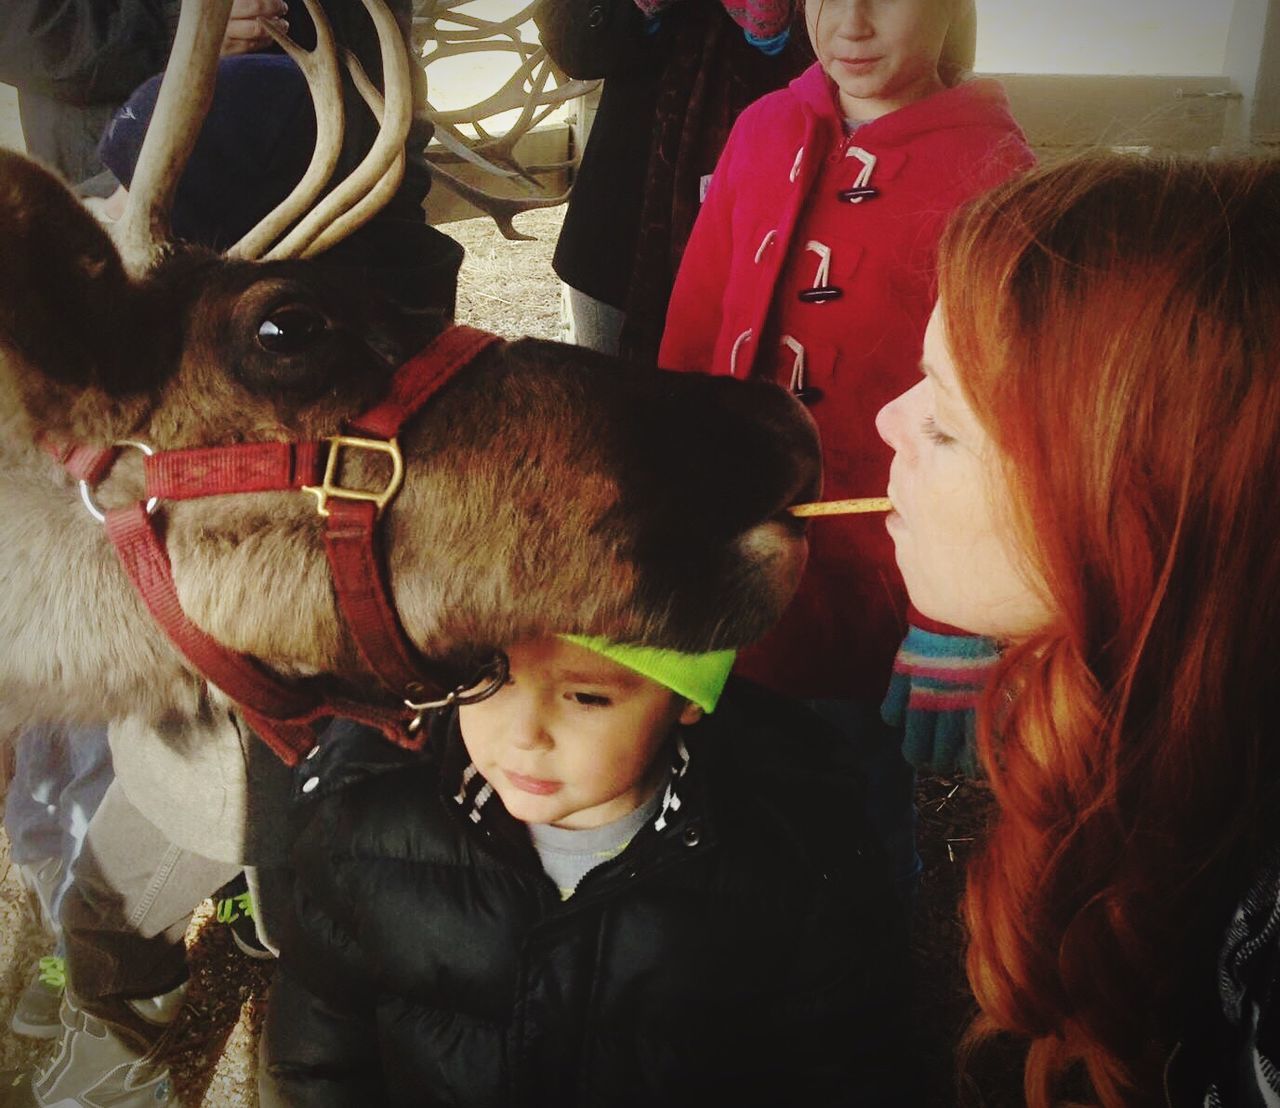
x=543 y=488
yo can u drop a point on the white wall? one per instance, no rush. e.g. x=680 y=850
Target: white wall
x=10 y=126
x=1253 y=63
x=1185 y=37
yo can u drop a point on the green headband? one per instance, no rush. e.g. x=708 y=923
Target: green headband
x=696 y=677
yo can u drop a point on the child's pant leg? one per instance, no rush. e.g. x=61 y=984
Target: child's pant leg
x=42 y=769
x=60 y=777
x=593 y=323
x=132 y=896
x=91 y=775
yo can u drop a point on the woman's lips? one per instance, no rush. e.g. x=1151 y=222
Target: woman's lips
x=894 y=515
x=536 y=785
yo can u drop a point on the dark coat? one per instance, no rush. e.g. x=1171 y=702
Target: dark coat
x=73 y=63
x=1228 y=1055
x=670 y=97
x=744 y=953
x=84 y=51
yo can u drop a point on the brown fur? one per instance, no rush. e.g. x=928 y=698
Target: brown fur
x=548 y=489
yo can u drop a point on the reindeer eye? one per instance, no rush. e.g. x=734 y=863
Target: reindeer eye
x=290 y=330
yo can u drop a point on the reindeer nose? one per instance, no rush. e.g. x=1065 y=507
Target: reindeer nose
x=740 y=453
x=778 y=439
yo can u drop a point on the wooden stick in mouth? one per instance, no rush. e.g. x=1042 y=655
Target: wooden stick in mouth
x=843 y=507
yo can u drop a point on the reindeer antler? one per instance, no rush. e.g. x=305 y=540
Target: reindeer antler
x=183 y=102
x=529 y=91
x=373 y=200
x=379 y=174
x=320 y=67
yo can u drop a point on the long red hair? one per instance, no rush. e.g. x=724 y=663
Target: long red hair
x=1115 y=323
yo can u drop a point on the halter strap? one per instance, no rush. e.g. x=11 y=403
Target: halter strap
x=282 y=712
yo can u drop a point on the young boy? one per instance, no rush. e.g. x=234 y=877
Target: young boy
x=594 y=888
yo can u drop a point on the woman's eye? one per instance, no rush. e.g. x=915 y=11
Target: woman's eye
x=291 y=329
x=935 y=434
x=590 y=700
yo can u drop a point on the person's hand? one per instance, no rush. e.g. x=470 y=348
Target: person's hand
x=937 y=680
x=245 y=32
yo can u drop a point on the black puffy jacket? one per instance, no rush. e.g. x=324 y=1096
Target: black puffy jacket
x=746 y=953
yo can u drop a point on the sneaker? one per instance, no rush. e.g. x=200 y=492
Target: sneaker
x=36 y=1013
x=99 y=1063
x=233 y=907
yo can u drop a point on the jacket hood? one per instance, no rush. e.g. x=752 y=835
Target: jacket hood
x=977 y=102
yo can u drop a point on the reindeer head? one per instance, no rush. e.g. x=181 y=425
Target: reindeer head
x=546 y=488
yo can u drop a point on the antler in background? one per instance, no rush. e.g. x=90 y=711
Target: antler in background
x=536 y=89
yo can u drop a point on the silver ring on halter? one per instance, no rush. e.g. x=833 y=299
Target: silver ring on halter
x=494 y=673
x=86 y=493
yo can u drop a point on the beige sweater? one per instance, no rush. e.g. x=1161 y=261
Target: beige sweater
x=208 y=783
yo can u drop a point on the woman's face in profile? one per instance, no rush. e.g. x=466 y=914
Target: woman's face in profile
x=957 y=552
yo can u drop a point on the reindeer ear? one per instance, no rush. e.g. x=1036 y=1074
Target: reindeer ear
x=67 y=307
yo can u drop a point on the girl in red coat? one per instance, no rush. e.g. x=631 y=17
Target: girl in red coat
x=811 y=263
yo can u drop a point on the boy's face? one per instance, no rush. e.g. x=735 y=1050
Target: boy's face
x=882 y=54
x=573 y=739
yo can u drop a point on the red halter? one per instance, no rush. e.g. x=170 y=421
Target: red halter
x=282 y=712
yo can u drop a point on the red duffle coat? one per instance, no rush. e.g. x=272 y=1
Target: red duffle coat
x=784 y=277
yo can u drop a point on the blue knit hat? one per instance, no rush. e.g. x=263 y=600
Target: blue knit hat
x=255 y=145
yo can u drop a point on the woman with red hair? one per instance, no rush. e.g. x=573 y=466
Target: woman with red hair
x=1088 y=472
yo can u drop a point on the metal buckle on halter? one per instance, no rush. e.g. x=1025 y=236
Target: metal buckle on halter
x=492 y=676
x=86 y=492
x=327 y=489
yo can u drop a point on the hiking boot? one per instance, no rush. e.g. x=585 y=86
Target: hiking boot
x=233 y=907
x=107 y=1063
x=36 y=1013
